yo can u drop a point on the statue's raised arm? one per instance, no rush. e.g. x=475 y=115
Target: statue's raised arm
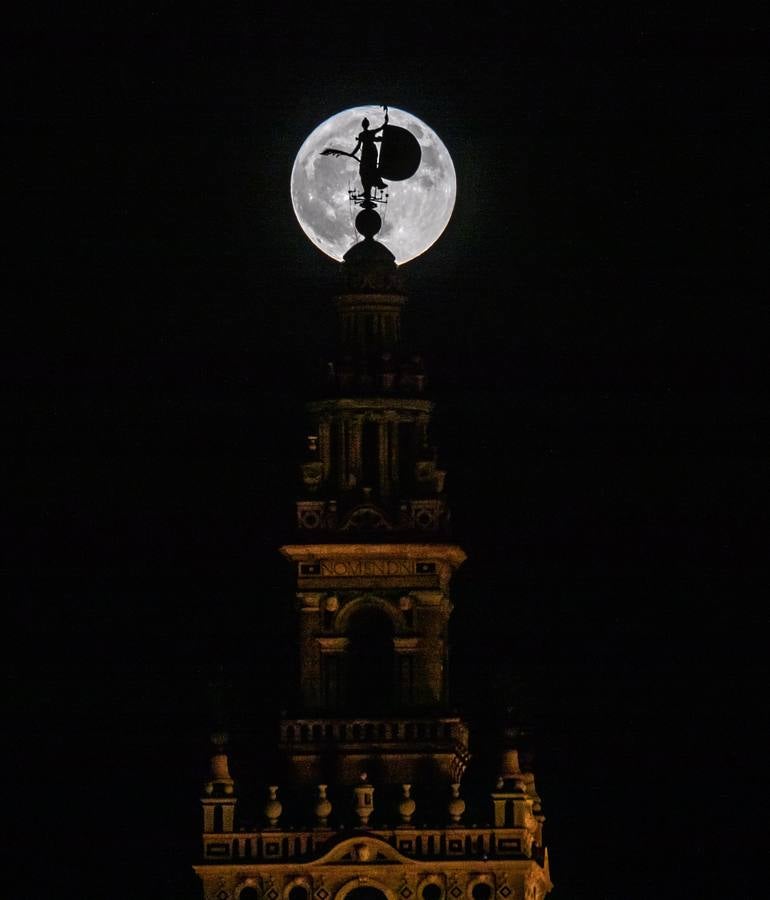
x=384 y=123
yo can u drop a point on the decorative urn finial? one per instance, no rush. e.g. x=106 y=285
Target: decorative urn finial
x=273 y=807
x=456 y=804
x=406 y=805
x=323 y=806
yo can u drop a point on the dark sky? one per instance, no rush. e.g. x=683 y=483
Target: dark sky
x=595 y=326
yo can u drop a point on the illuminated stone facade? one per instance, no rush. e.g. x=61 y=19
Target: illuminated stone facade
x=374 y=748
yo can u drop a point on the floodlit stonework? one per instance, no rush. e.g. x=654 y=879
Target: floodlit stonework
x=373 y=804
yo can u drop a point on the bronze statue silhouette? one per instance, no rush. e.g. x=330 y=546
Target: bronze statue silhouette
x=367 y=162
x=398 y=158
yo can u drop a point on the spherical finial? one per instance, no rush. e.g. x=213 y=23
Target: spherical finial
x=368 y=222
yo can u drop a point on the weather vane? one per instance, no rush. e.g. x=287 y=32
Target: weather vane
x=398 y=159
x=401 y=147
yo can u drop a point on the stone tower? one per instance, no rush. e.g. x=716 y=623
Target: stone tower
x=373 y=805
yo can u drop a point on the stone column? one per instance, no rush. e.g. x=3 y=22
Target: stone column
x=341 y=461
x=383 y=454
x=393 y=454
x=422 y=431
x=355 y=428
x=324 y=446
x=432 y=650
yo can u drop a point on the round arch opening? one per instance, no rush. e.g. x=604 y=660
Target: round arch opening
x=370 y=662
x=481 y=891
x=365 y=892
x=248 y=893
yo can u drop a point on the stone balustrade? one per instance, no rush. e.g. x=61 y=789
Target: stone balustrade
x=277 y=845
x=381 y=730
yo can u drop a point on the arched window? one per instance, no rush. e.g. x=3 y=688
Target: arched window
x=219 y=819
x=432 y=892
x=370 y=661
x=298 y=892
x=406 y=455
x=365 y=893
x=249 y=893
x=481 y=891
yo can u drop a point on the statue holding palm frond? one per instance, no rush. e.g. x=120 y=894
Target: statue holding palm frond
x=367 y=163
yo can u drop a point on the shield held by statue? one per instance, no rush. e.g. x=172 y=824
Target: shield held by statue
x=400 y=154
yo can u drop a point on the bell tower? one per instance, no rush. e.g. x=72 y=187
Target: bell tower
x=373 y=560
x=370 y=467
x=373 y=803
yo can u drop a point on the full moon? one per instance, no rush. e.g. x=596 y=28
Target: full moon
x=417 y=210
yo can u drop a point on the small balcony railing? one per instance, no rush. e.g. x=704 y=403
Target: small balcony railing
x=369 y=730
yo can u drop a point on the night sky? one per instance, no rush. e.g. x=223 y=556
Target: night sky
x=595 y=330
